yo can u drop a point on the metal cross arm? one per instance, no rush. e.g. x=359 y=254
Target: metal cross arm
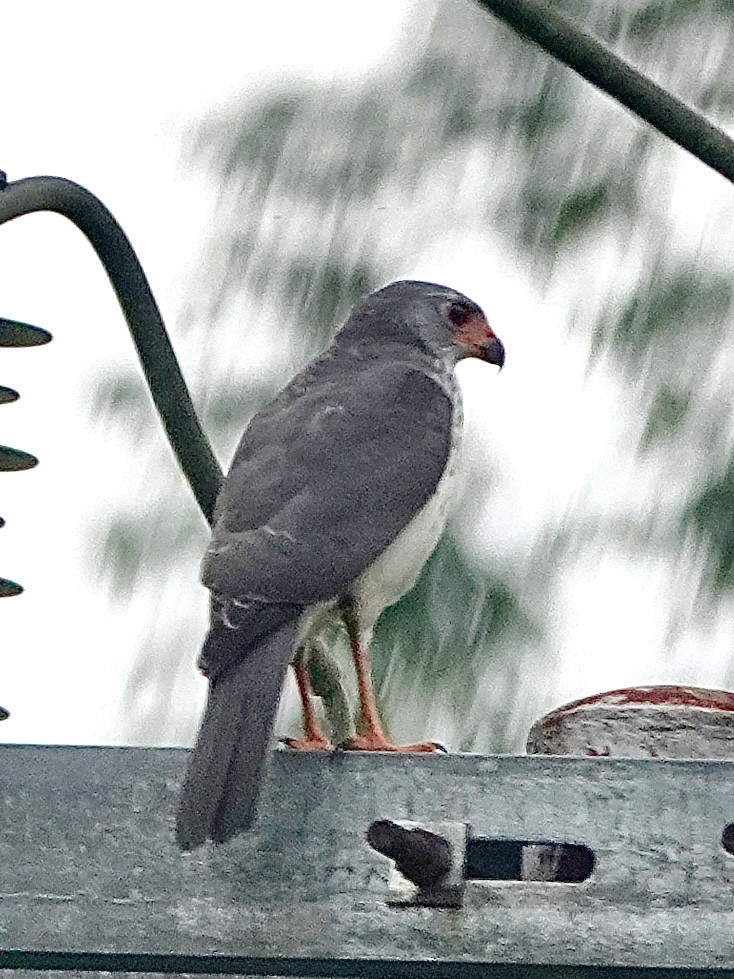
x=92 y=878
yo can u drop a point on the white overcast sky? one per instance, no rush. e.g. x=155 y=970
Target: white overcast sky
x=102 y=94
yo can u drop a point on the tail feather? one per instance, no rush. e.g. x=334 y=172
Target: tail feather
x=222 y=783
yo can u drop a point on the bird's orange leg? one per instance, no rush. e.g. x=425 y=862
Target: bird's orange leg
x=373 y=737
x=314 y=739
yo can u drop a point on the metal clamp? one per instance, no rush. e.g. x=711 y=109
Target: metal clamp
x=433 y=860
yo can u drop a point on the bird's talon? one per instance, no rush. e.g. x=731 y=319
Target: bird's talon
x=365 y=743
x=307 y=744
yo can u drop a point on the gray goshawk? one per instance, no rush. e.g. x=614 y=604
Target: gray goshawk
x=337 y=495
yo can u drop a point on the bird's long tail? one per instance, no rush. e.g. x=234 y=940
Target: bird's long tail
x=223 y=779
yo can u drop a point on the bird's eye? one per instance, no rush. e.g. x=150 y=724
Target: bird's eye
x=458 y=313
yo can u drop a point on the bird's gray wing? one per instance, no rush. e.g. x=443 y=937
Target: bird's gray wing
x=325 y=479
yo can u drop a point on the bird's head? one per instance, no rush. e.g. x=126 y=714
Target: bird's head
x=440 y=320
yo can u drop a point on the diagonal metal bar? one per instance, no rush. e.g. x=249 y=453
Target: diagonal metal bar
x=160 y=366
x=559 y=36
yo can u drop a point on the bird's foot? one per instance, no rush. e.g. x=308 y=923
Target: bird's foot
x=361 y=742
x=307 y=744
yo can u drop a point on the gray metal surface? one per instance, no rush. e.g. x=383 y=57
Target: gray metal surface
x=90 y=870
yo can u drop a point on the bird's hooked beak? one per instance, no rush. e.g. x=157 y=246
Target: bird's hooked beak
x=493 y=352
x=476 y=338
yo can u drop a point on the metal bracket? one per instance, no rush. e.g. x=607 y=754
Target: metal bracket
x=427 y=861
x=432 y=861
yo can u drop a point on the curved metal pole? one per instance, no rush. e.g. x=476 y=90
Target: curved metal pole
x=559 y=36
x=160 y=366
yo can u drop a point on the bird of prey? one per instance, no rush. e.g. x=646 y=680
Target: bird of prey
x=337 y=495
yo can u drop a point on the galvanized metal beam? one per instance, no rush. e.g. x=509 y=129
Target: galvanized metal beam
x=92 y=880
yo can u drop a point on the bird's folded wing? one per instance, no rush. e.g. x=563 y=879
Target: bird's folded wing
x=325 y=479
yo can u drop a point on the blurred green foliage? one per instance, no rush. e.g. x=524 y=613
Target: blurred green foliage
x=710 y=514
x=329 y=189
